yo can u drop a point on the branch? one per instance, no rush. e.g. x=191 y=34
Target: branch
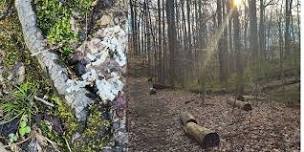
x=37 y=45
x=43 y=101
x=271 y=2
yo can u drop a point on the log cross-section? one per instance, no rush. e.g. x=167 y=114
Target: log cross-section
x=240 y=104
x=204 y=136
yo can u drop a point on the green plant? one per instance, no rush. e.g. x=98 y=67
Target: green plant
x=19 y=105
x=23 y=126
x=13 y=137
x=21 y=101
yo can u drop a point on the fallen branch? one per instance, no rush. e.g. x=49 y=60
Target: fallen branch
x=47 y=60
x=67 y=144
x=8 y=121
x=20 y=142
x=273 y=86
x=250 y=97
x=205 y=137
x=2 y=148
x=162 y=86
x=43 y=101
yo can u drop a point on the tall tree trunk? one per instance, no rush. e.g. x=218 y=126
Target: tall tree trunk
x=253 y=38
x=239 y=67
x=220 y=43
x=171 y=38
x=262 y=30
x=160 y=48
x=288 y=15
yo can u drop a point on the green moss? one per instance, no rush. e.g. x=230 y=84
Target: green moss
x=10 y=36
x=92 y=137
x=48 y=13
x=65 y=113
x=54 y=21
x=95 y=135
x=47 y=130
x=61 y=33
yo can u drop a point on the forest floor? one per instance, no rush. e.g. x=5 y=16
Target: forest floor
x=154 y=123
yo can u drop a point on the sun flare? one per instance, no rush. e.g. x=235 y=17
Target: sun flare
x=237 y=3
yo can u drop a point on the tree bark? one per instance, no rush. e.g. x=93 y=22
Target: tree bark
x=253 y=44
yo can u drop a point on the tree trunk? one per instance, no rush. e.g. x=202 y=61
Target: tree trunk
x=239 y=66
x=253 y=43
x=220 y=43
x=171 y=39
x=288 y=15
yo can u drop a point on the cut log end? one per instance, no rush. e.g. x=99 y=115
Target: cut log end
x=247 y=107
x=187 y=117
x=152 y=91
x=211 y=140
x=240 y=104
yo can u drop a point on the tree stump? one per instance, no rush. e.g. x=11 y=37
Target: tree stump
x=240 y=104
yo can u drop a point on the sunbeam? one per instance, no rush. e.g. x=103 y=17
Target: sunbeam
x=213 y=43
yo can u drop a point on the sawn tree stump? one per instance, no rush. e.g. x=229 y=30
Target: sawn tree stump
x=240 y=104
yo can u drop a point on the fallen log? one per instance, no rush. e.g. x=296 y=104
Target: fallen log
x=205 y=137
x=187 y=117
x=251 y=97
x=240 y=104
x=279 y=84
x=161 y=86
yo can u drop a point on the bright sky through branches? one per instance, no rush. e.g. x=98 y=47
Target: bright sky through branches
x=237 y=3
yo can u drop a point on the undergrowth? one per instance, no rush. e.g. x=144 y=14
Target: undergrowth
x=20 y=105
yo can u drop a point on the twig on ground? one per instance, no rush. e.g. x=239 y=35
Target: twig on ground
x=43 y=101
x=7 y=121
x=68 y=145
x=52 y=143
x=20 y=142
